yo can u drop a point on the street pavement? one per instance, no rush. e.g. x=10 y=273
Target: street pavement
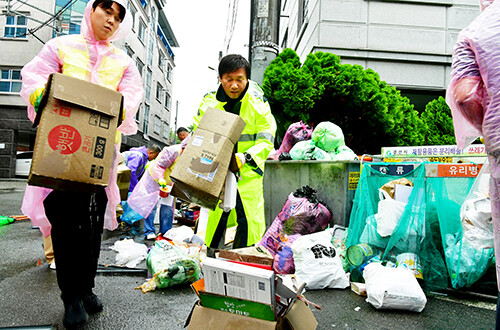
x=30 y=296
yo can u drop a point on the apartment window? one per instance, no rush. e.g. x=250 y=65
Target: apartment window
x=148 y=83
x=138 y=113
x=161 y=61
x=159 y=92
x=140 y=65
x=151 y=50
x=169 y=72
x=142 y=30
x=129 y=51
x=166 y=131
x=10 y=81
x=15 y=27
x=284 y=43
x=303 y=12
x=132 y=12
x=157 y=125
x=168 y=101
x=145 y=122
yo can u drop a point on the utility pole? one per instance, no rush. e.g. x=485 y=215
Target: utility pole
x=175 y=121
x=264 y=35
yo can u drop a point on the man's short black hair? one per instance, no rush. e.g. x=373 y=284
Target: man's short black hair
x=233 y=62
x=106 y=4
x=182 y=129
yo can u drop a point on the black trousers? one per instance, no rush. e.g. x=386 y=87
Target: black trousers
x=77 y=220
x=241 y=236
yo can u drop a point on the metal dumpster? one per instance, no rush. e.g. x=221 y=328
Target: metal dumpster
x=335 y=182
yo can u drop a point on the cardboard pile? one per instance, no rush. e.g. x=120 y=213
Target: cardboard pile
x=77 y=122
x=233 y=295
x=201 y=170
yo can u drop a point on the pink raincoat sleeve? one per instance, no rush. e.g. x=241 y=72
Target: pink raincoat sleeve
x=132 y=91
x=465 y=94
x=36 y=73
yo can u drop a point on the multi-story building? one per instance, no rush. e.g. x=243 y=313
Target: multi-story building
x=26 y=25
x=408 y=42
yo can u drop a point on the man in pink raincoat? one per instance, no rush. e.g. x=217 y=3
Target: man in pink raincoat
x=74 y=218
x=474 y=99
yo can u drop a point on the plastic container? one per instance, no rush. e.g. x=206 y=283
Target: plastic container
x=358 y=254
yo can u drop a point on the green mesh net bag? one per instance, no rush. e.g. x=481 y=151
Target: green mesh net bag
x=465 y=263
x=411 y=237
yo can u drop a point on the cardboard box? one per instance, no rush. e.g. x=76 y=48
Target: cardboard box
x=123 y=180
x=74 y=144
x=201 y=170
x=239 y=281
x=254 y=254
x=215 y=311
x=298 y=317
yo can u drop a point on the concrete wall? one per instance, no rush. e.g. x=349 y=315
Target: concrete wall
x=330 y=179
x=409 y=42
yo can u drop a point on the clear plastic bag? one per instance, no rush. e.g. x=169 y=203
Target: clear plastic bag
x=475 y=213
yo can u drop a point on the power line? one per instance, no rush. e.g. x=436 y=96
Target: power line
x=230 y=23
x=48 y=21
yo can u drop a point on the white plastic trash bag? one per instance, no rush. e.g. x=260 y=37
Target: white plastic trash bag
x=317 y=263
x=389 y=213
x=393 y=288
x=130 y=253
x=180 y=234
x=475 y=213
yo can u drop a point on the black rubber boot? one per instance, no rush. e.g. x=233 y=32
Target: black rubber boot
x=92 y=304
x=74 y=314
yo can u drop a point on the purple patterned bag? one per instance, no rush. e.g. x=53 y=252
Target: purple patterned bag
x=299 y=216
x=296 y=132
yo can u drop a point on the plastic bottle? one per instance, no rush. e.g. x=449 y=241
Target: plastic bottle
x=229 y=202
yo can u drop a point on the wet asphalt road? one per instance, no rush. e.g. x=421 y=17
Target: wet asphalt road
x=30 y=296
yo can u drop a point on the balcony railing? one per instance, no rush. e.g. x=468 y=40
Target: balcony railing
x=165 y=41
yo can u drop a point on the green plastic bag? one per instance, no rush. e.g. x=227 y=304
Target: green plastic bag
x=6 y=220
x=328 y=136
x=307 y=150
x=170 y=266
x=343 y=153
x=465 y=263
x=412 y=234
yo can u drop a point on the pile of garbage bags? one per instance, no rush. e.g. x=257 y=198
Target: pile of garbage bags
x=325 y=142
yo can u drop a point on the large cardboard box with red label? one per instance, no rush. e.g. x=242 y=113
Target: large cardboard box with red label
x=74 y=145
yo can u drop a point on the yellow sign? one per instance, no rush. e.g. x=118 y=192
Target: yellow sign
x=353 y=180
x=441 y=159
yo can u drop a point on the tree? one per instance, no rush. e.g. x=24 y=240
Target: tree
x=371 y=113
x=438 y=120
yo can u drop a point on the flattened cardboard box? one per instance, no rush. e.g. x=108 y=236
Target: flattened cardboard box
x=77 y=124
x=299 y=317
x=201 y=170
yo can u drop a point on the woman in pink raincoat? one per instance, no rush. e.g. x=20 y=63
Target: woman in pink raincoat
x=474 y=99
x=74 y=218
x=145 y=197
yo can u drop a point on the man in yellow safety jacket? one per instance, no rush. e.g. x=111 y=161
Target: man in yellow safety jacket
x=239 y=95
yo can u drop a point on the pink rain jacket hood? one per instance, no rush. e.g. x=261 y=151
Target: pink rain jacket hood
x=84 y=57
